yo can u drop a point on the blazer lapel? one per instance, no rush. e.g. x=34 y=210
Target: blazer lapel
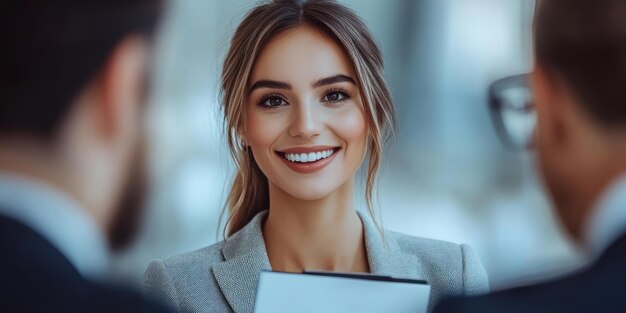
x=245 y=257
x=385 y=256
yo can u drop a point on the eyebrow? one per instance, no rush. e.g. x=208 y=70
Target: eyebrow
x=269 y=84
x=283 y=85
x=340 y=78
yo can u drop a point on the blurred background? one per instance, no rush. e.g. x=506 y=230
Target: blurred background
x=445 y=177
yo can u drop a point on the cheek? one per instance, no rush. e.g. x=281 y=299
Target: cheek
x=350 y=126
x=261 y=130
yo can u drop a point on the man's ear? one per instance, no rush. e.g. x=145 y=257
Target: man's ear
x=549 y=101
x=121 y=85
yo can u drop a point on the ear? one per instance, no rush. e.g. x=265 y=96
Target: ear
x=121 y=86
x=243 y=134
x=549 y=103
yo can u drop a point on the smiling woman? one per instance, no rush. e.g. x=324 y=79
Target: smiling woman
x=316 y=107
x=305 y=104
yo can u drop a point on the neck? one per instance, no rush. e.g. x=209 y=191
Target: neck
x=324 y=234
x=34 y=160
x=593 y=182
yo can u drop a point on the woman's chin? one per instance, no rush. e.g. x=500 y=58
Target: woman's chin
x=309 y=193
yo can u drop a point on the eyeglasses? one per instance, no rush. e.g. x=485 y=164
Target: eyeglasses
x=513 y=112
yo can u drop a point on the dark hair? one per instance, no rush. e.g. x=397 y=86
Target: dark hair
x=52 y=49
x=584 y=43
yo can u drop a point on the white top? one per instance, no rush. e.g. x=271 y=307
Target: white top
x=57 y=218
x=608 y=219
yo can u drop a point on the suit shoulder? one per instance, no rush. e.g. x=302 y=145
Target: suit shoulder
x=200 y=258
x=426 y=247
x=112 y=298
x=183 y=282
x=521 y=299
x=453 y=269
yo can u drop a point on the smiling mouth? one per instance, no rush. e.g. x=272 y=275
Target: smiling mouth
x=307 y=157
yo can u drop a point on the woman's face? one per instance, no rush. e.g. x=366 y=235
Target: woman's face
x=305 y=122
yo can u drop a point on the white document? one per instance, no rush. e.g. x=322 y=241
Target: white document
x=280 y=292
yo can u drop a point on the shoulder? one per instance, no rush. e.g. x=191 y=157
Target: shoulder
x=204 y=256
x=107 y=298
x=449 y=266
x=539 y=298
x=581 y=291
x=432 y=250
x=185 y=281
x=200 y=260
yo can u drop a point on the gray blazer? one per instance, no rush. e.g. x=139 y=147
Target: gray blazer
x=223 y=277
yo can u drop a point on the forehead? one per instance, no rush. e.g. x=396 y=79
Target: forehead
x=301 y=55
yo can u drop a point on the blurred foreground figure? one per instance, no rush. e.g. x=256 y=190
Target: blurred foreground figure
x=579 y=89
x=72 y=87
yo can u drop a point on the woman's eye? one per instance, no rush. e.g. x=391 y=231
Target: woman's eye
x=335 y=96
x=273 y=102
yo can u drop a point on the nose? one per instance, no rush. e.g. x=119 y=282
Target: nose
x=305 y=122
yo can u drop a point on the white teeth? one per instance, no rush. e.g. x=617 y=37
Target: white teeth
x=308 y=157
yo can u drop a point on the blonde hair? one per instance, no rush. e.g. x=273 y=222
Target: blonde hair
x=249 y=194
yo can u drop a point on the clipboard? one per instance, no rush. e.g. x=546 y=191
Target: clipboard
x=331 y=292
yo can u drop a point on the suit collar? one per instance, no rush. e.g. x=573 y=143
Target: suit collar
x=245 y=257
x=615 y=253
x=607 y=222
x=26 y=247
x=46 y=210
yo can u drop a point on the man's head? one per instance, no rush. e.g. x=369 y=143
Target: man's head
x=579 y=85
x=72 y=92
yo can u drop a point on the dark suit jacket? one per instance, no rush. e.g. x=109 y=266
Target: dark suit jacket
x=36 y=277
x=599 y=288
